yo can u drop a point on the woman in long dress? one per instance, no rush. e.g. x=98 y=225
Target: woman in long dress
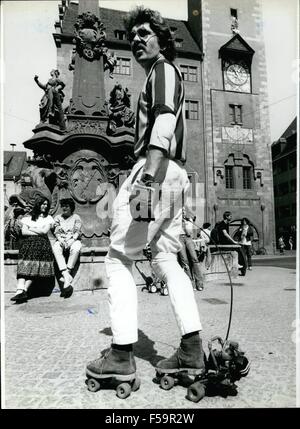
x=35 y=252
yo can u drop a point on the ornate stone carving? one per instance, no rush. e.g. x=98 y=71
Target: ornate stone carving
x=116 y=175
x=234 y=25
x=85 y=126
x=61 y=171
x=44 y=177
x=73 y=110
x=109 y=61
x=129 y=162
x=89 y=36
x=118 y=110
x=35 y=181
x=90 y=40
x=86 y=177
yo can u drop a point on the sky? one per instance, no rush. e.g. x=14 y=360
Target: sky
x=29 y=49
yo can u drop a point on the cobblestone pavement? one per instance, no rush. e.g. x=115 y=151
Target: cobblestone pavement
x=49 y=341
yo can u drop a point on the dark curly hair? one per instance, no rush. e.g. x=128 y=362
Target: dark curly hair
x=36 y=209
x=68 y=202
x=140 y=15
x=246 y=220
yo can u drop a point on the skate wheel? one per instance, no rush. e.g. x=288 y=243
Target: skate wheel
x=93 y=385
x=165 y=291
x=195 y=392
x=123 y=390
x=136 y=384
x=153 y=289
x=167 y=382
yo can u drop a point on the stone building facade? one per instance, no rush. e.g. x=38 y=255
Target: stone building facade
x=236 y=136
x=284 y=157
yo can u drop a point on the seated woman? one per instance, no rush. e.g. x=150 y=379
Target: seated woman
x=35 y=253
x=66 y=248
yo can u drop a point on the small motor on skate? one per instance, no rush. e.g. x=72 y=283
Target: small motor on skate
x=223 y=367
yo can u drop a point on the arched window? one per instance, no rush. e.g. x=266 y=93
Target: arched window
x=239 y=172
x=229 y=172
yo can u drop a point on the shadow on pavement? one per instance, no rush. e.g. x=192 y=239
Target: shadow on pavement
x=143 y=349
x=40 y=288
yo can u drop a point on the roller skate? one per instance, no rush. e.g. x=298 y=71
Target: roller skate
x=224 y=367
x=186 y=367
x=114 y=369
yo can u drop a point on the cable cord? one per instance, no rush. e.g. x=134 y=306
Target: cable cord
x=229 y=276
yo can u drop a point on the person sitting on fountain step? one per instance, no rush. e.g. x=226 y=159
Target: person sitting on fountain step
x=66 y=248
x=35 y=259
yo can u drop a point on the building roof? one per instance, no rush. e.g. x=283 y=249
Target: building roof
x=113 y=20
x=291 y=130
x=287 y=143
x=14 y=163
x=237 y=44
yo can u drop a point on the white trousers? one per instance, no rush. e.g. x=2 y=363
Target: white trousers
x=129 y=238
x=60 y=255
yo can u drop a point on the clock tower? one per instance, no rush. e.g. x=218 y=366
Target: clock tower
x=236 y=57
x=236 y=134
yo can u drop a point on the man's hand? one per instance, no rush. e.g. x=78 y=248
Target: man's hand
x=141 y=199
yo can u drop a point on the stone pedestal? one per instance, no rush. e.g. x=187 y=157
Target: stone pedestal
x=91 y=272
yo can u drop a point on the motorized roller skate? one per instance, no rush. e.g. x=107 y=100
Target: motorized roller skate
x=225 y=365
x=114 y=370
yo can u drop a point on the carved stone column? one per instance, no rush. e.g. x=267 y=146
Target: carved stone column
x=88 y=94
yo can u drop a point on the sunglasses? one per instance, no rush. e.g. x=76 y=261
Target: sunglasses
x=142 y=34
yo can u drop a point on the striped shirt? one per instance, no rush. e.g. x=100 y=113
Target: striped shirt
x=163 y=92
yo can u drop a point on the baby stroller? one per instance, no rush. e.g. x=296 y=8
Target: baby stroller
x=153 y=283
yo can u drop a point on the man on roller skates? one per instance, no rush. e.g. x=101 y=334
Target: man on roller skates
x=148 y=208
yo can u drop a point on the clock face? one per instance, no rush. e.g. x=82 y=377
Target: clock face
x=237 y=74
